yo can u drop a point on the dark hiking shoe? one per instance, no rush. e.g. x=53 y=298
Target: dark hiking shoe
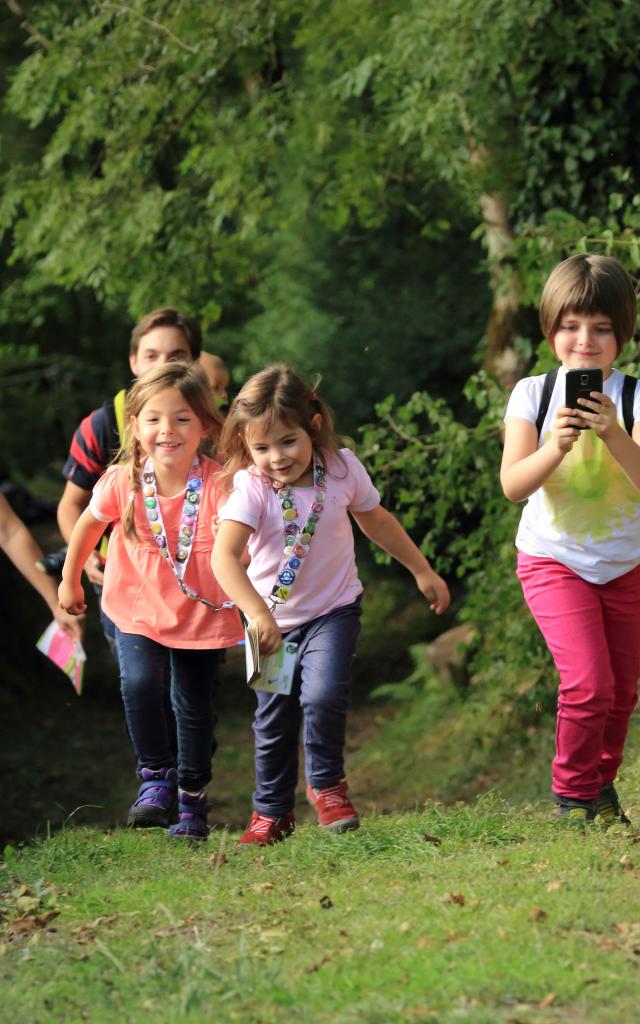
x=608 y=810
x=192 y=812
x=156 y=801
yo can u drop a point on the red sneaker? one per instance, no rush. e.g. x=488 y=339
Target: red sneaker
x=264 y=831
x=334 y=808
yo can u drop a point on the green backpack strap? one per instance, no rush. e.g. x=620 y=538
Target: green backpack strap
x=119 y=401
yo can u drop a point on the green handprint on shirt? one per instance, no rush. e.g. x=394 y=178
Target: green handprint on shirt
x=588 y=495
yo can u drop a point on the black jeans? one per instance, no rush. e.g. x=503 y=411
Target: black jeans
x=148 y=671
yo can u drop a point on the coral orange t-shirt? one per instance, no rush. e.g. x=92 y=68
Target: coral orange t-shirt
x=140 y=593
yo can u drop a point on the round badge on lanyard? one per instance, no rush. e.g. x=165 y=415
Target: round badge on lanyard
x=187 y=528
x=297 y=538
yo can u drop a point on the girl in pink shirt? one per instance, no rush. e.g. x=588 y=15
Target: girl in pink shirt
x=172 y=618
x=293 y=491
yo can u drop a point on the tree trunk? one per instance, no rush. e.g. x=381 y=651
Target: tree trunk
x=501 y=358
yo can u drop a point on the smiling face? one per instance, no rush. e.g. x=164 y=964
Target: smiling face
x=169 y=431
x=585 y=340
x=158 y=346
x=282 y=452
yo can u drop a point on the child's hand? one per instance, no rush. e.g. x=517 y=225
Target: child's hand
x=72 y=624
x=71 y=598
x=436 y=591
x=95 y=569
x=269 y=636
x=565 y=429
x=598 y=412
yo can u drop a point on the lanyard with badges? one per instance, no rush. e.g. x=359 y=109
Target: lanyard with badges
x=297 y=539
x=186 y=532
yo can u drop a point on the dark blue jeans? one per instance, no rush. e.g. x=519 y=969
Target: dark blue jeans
x=108 y=627
x=320 y=697
x=148 y=672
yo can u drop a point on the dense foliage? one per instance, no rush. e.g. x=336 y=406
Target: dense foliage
x=352 y=185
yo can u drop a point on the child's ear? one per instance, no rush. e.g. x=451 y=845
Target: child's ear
x=133 y=427
x=316 y=422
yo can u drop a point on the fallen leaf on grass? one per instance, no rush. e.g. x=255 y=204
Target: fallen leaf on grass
x=326 y=902
x=554 y=885
x=537 y=914
x=31 y=923
x=405 y=926
x=27 y=904
x=548 y=1000
x=312 y=968
x=454 y=897
x=422 y=942
x=626 y=862
x=216 y=860
x=436 y=840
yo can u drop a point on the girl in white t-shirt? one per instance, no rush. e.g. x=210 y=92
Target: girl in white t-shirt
x=579 y=536
x=293 y=491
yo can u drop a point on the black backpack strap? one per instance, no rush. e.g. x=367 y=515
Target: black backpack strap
x=628 y=395
x=547 y=391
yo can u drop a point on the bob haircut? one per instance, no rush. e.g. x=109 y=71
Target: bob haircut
x=587 y=283
x=168 y=317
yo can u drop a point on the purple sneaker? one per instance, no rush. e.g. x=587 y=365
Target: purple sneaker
x=156 y=801
x=193 y=816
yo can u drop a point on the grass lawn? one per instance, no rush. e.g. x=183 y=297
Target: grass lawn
x=477 y=912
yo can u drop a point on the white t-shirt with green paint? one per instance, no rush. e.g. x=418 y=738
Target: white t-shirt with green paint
x=587 y=513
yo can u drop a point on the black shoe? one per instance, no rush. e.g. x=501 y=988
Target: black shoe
x=52 y=564
x=608 y=809
x=574 y=812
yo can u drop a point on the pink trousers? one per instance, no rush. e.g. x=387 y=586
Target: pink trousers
x=593 y=633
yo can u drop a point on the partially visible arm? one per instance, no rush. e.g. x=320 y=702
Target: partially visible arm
x=72 y=504
x=18 y=545
x=525 y=467
x=385 y=531
x=86 y=534
x=226 y=562
x=602 y=416
x=626 y=452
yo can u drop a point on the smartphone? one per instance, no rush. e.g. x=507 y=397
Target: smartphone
x=579 y=384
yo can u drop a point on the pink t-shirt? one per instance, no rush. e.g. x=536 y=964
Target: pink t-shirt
x=328 y=577
x=141 y=594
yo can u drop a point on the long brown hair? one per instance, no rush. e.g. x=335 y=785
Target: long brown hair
x=193 y=385
x=274 y=395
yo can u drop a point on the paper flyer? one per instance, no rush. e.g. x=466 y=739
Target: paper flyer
x=64 y=651
x=273 y=674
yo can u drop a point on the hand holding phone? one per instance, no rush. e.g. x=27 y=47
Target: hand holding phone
x=579 y=384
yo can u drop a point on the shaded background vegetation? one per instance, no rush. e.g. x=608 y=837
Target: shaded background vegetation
x=371 y=190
